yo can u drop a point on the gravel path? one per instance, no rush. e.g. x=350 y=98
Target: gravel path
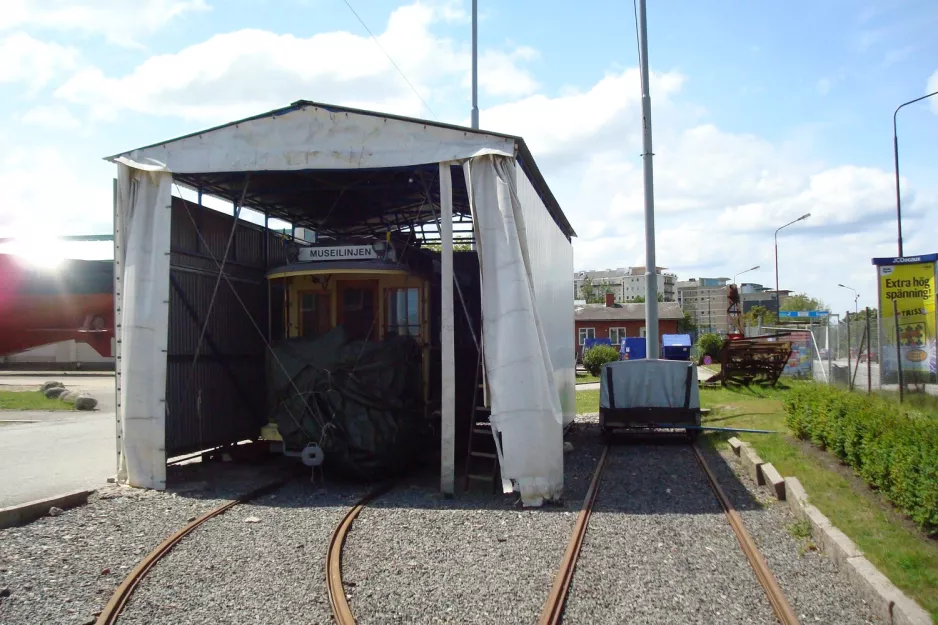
x=62 y=570
x=817 y=590
x=413 y=557
x=659 y=548
x=261 y=562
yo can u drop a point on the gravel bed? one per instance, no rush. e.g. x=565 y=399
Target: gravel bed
x=63 y=569
x=659 y=548
x=414 y=557
x=261 y=562
x=816 y=589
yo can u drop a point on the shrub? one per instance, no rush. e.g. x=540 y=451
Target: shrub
x=597 y=356
x=710 y=345
x=894 y=449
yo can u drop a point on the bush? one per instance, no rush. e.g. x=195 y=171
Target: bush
x=710 y=345
x=894 y=449
x=597 y=356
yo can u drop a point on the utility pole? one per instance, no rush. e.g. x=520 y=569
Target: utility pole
x=651 y=274
x=475 y=64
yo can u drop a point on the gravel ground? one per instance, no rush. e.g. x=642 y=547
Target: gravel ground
x=261 y=562
x=62 y=570
x=659 y=548
x=413 y=557
x=817 y=591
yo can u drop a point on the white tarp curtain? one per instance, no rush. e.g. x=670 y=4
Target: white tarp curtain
x=550 y=257
x=524 y=400
x=341 y=141
x=143 y=230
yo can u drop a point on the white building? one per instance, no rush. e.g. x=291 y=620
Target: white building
x=626 y=284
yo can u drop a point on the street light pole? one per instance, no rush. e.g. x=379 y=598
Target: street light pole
x=778 y=305
x=856 y=299
x=475 y=64
x=742 y=272
x=895 y=150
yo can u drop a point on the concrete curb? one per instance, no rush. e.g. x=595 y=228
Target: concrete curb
x=889 y=603
x=32 y=510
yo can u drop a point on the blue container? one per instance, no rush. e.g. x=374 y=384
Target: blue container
x=675 y=346
x=633 y=349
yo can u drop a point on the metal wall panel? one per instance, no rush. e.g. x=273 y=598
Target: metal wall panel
x=220 y=396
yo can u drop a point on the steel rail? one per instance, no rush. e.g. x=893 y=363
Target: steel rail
x=773 y=591
x=341 y=611
x=122 y=594
x=553 y=609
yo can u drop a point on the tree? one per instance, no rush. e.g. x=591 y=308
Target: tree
x=457 y=247
x=640 y=299
x=687 y=325
x=592 y=293
x=755 y=314
x=802 y=301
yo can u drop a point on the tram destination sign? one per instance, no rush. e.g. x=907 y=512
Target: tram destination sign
x=337 y=252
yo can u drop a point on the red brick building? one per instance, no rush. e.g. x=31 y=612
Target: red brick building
x=616 y=321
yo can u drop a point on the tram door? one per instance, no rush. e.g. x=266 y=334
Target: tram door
x=358 y=309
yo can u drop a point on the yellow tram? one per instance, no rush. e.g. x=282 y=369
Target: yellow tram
x=356 y=371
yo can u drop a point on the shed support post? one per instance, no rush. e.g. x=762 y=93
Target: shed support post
x=447 y=351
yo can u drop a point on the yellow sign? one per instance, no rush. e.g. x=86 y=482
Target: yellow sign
x=912 y=287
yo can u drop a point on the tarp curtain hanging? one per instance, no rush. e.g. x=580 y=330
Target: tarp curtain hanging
x=524 y=399
x=143 y=213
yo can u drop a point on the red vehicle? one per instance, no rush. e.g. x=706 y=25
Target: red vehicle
x=43 y=305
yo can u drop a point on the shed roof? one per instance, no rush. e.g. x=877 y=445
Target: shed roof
x=626 y=312
x=334 y=169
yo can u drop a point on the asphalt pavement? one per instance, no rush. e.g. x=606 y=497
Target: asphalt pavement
x=43 y=454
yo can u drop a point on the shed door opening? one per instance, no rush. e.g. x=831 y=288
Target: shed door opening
x=357 y=310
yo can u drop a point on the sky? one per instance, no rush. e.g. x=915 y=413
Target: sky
x=761 y=112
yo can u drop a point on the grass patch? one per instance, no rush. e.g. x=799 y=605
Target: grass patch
x=30 y=400
x=587 y=401
x=582 y=377
x=800 y=530
x=901 y=552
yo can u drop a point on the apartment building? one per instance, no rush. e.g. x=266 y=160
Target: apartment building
x=626 y=284
x=705 y=300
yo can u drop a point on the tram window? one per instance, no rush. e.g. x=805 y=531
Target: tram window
x=402 y=312
x=314 y=314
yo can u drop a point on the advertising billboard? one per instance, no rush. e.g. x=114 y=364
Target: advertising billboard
x=799 y=362
x=907 y=284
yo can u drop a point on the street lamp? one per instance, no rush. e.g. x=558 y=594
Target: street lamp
x=856 y=298
x=742 y=272
x=895 y=148
x=777 y=304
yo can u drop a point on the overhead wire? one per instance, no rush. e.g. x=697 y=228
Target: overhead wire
x=399 y=70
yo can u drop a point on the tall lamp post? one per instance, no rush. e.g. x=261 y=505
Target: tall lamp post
x=742 y=272
x=856 y=297
x=778 y=306
x=895 y=149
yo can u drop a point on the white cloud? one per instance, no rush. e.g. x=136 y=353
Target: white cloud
x=240 y=73
x=932 y=88
x=120 y=21
x=50 y=191
x=55 y=117
x=33 y=62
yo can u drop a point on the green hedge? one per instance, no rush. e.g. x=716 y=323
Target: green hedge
x=597 y=356
x=893 y=448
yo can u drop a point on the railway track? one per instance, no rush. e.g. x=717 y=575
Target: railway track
x=121 y=595
x=553 y=609
x=552 y=612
